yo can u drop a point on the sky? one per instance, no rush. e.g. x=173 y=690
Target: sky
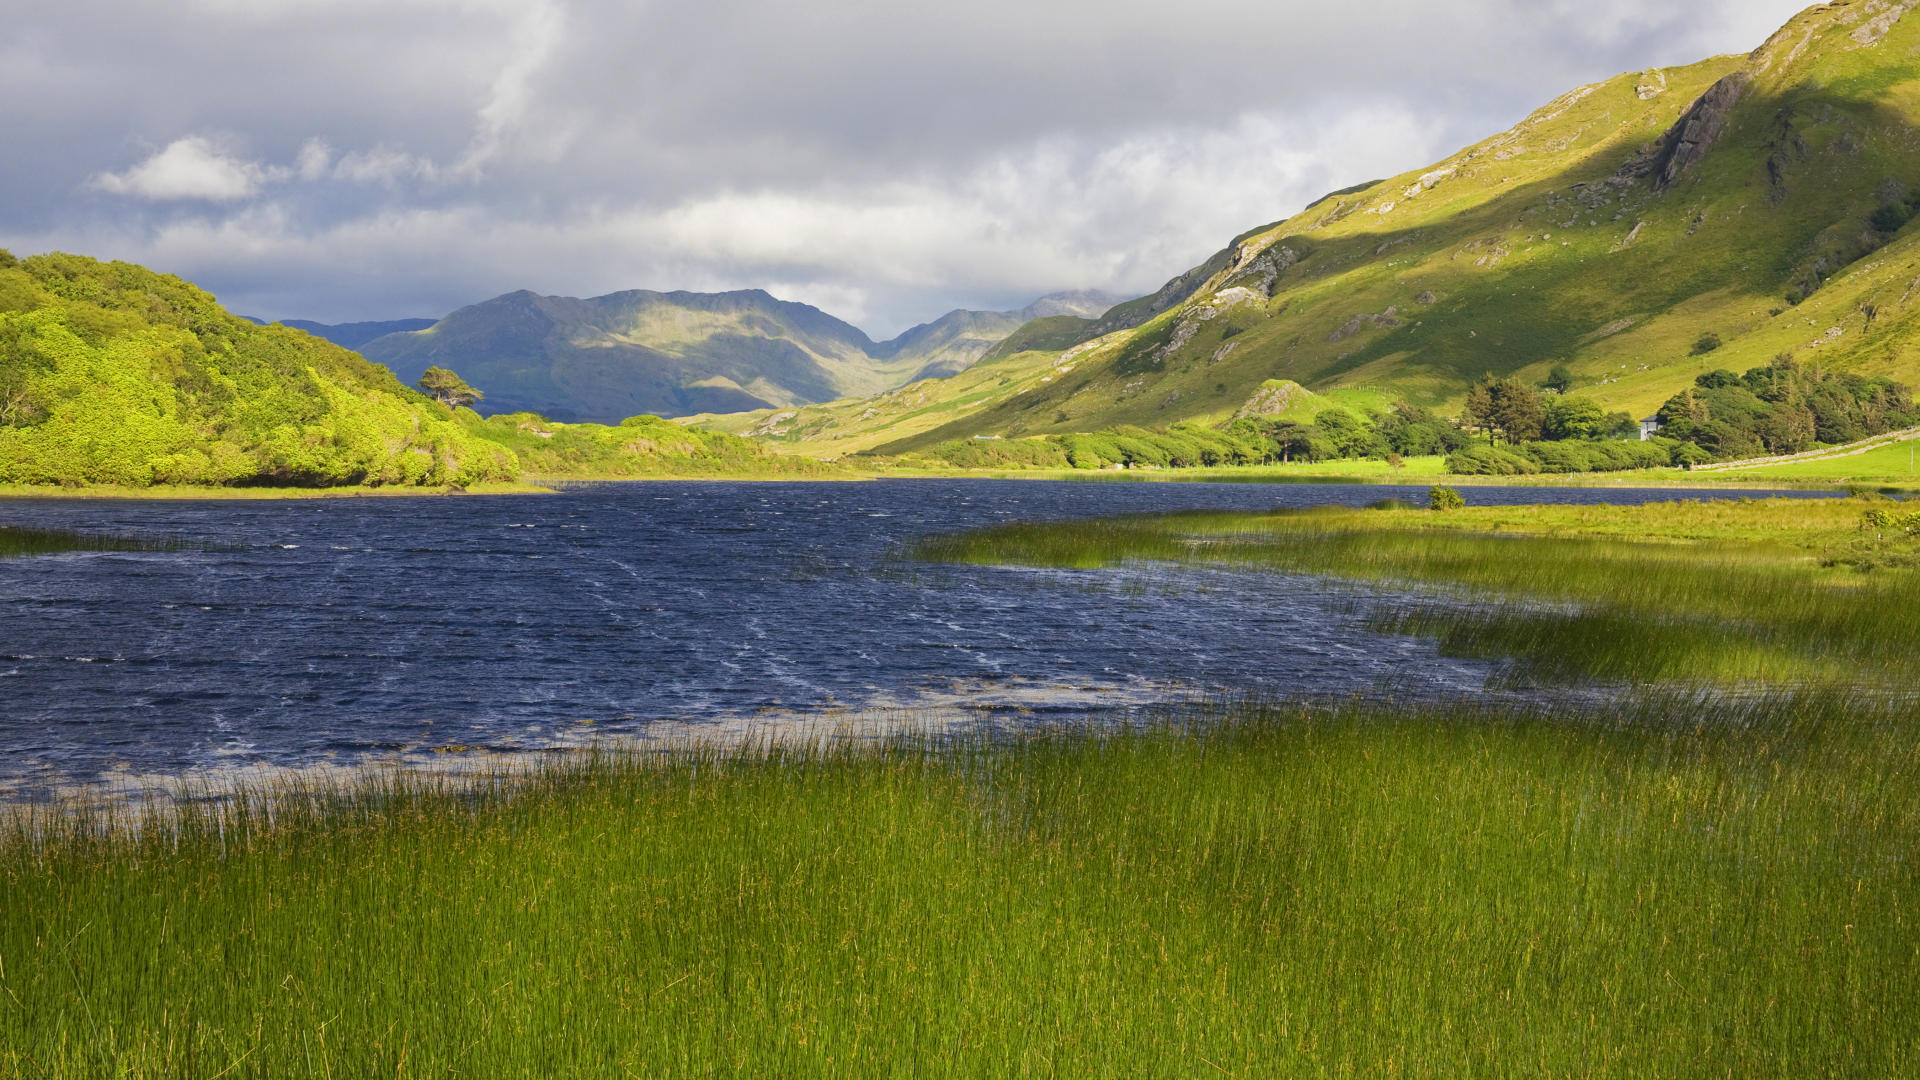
x=346 y=160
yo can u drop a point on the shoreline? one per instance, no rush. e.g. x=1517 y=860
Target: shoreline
x=553 y=485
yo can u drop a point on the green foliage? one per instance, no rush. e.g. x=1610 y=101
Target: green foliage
x=1336 y=434
x=1891 y=218
x=448 y=388
x=1412 y=431
x=1340 y=434
x=1784 y=408
x=1567 y=456
x=1575 y=418
x=1705 y=344
x=1559 y=380
x=1442 y=497
x=1507 y=407
x=638 y=446
x=112 y=374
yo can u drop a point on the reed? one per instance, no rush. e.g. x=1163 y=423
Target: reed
x=1667 y=886
x=17 y=541
x=1763 y=591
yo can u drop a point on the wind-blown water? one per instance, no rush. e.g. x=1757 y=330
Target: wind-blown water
x=292 y=633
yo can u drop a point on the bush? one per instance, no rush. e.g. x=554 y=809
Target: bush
x=1490 y=461
x=1441 y=497
x=1891 y=218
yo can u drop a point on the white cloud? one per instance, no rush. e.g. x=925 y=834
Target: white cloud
x=315 y=159
x=189 y=168
x=383 y=165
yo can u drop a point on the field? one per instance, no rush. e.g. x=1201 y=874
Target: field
x=1895 y=463
x=1680 y=876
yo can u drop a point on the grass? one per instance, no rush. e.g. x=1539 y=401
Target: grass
x=200 y=491
x=1893 y=463
x=1768 y=591
x=1680 y=889
x=16 y=541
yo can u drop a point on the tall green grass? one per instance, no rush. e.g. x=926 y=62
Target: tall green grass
x=1683 y=888
x=1676 y=592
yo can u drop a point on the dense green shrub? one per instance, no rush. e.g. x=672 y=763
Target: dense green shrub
x=1569 y=456
x=1442 y=497
x=1783 y=409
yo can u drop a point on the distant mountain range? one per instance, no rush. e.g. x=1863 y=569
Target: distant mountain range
x=679 y=353
x=355 y=334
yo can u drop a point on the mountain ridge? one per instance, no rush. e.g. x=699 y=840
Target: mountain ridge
x=677 y=353
x=1640 y=231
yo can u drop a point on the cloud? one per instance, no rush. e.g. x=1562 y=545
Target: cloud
x=409 y=156
x=189 y=168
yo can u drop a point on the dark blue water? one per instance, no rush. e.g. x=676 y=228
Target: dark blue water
x=328 y=630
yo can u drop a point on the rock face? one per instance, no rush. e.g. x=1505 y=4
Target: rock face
x=1881 y=15
x=1273 y=398
x=1689 y=140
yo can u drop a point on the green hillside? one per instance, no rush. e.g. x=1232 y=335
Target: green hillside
x=113 y=374
x=1762 y=199
x=113 y=377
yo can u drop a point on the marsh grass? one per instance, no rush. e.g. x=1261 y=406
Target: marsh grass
x=1676 y=887
x=1735 y=592
x=17 y=541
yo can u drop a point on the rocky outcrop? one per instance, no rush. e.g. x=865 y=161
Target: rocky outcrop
x=1264 y=271
x=1686 y=144
x=1273 y=398
x=1881 y=15
x=1386 y=320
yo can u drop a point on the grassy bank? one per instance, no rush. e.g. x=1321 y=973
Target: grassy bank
x=1677 y=890
x=1774 y=591
x=198 y=491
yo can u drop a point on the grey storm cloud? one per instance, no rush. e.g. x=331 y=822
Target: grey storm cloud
x=361 y=159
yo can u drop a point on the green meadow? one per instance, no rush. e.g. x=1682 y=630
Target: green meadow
x=1703 y=865
x=1896 y=463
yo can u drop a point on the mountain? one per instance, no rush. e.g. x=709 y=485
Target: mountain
x=113 y=374
x=680 y=353
x=1640 y=231
x=957 y=340
x=355 y=334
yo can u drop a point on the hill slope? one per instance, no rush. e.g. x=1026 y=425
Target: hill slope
x=1762 y=199
x=113 y=374
x=676 y=353
x=355 y=334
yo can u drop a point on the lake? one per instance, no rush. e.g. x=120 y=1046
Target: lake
x=328 y=631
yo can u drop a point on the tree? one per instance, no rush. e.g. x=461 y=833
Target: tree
x=1508 y=408
x=1708 y=342
x=448 y=389
x=1574 y=418
x=1478 y=410
x=1344 y=434
x=1559 y=380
